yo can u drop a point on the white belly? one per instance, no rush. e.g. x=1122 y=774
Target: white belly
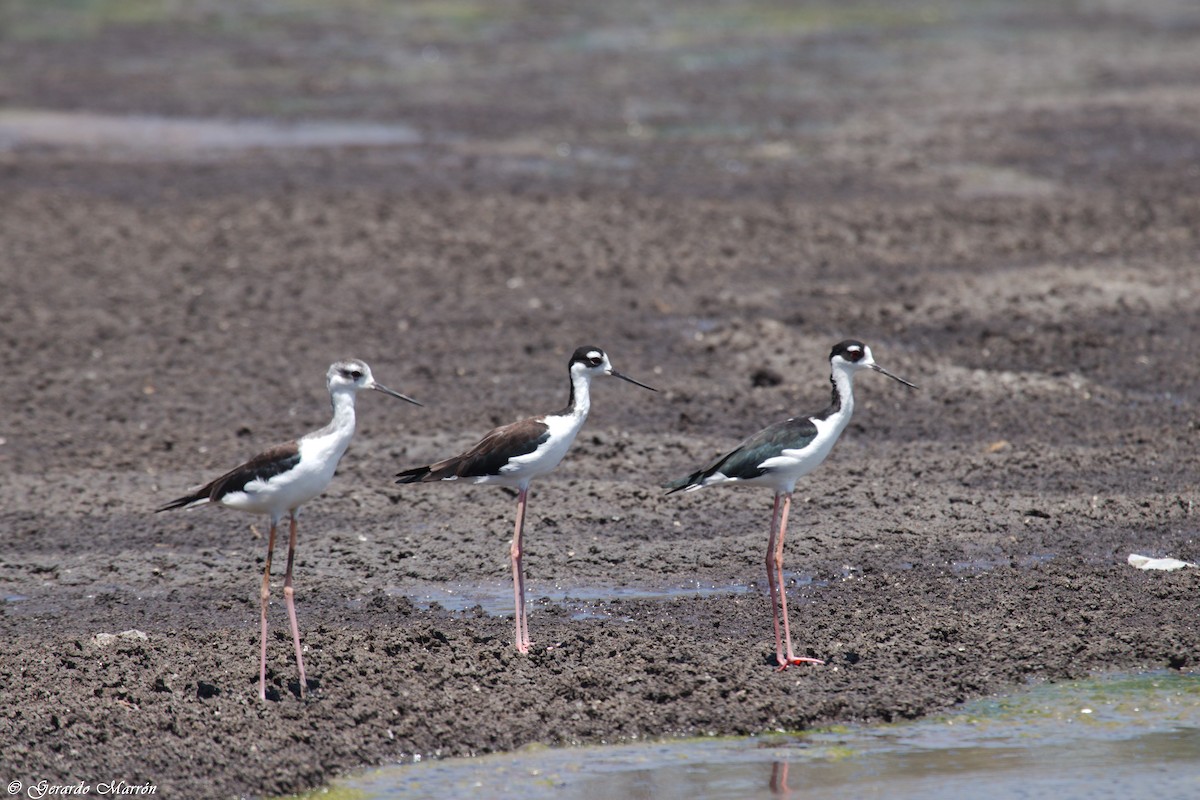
x=546 y=457
x=791 y=465
x=289 y=490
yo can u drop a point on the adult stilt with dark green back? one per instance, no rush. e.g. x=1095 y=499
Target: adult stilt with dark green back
x=777 y=457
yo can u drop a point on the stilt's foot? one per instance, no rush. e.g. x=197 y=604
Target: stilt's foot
x=523 y=649
x=787 y=662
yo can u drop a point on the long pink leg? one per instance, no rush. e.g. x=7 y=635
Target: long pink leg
x=787 y=634
x=771 y=573
x=289 y=594
x=522 y=635
x=266 y=594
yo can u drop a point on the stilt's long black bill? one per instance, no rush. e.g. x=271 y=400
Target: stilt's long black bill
x=616 y=374
x=379 y=387
x=883 y=371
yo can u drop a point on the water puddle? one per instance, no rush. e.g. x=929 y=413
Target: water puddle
x=1127 y=736
x=584 y=602
x=987 y=564
x=143 y=136
x=139 y=137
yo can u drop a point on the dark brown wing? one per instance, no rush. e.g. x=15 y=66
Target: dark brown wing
x=487 y=457
x=263 y=466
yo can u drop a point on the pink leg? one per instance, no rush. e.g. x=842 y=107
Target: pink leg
x=289 y=594
x=266 y=594
x=522 y=635
x=787 y=634
x=771 y=584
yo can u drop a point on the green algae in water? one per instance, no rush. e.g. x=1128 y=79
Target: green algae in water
x=338 y=792
x=1119 y=736
x=1125 y=702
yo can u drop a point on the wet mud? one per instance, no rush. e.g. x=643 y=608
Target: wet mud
x=1000 y=200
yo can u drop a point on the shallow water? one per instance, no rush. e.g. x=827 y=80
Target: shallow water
x=583 y=601
x=148 y=136
x=1126 y=736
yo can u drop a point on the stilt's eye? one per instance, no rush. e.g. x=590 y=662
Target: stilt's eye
x=854 y=353
x=355 y=374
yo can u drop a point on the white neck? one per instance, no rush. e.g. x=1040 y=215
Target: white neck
x=581 y=399
x=581 y=389
x=341 y=428
x=843 y=389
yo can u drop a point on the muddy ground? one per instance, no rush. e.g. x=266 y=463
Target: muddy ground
x=1000 y=198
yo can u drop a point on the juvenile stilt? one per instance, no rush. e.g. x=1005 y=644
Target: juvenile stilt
x=280 y=480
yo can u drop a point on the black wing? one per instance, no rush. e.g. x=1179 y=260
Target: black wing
x=743 y=462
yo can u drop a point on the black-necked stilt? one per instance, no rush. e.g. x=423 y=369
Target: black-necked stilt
x=280 y=480
x=777 y=456
x=513 y=455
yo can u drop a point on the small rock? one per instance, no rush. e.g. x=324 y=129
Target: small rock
x=131 y=635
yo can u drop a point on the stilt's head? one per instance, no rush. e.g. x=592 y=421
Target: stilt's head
x=351 y=375
x=850 y=356
x=588 y=362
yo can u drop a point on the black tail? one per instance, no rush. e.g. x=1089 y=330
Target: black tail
x=679 y=484
x=186 y=500
x=412 y=475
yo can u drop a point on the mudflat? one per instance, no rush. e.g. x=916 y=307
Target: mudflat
x=201 y=210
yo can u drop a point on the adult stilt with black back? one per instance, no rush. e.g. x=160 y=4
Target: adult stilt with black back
x=280 y=480
x=777 y=457
x=513 y=455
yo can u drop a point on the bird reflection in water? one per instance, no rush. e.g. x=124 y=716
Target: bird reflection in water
x=779 y=774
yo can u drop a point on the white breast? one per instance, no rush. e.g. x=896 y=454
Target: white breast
x=790 y=465
x=319 y=457
x=546 y=457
